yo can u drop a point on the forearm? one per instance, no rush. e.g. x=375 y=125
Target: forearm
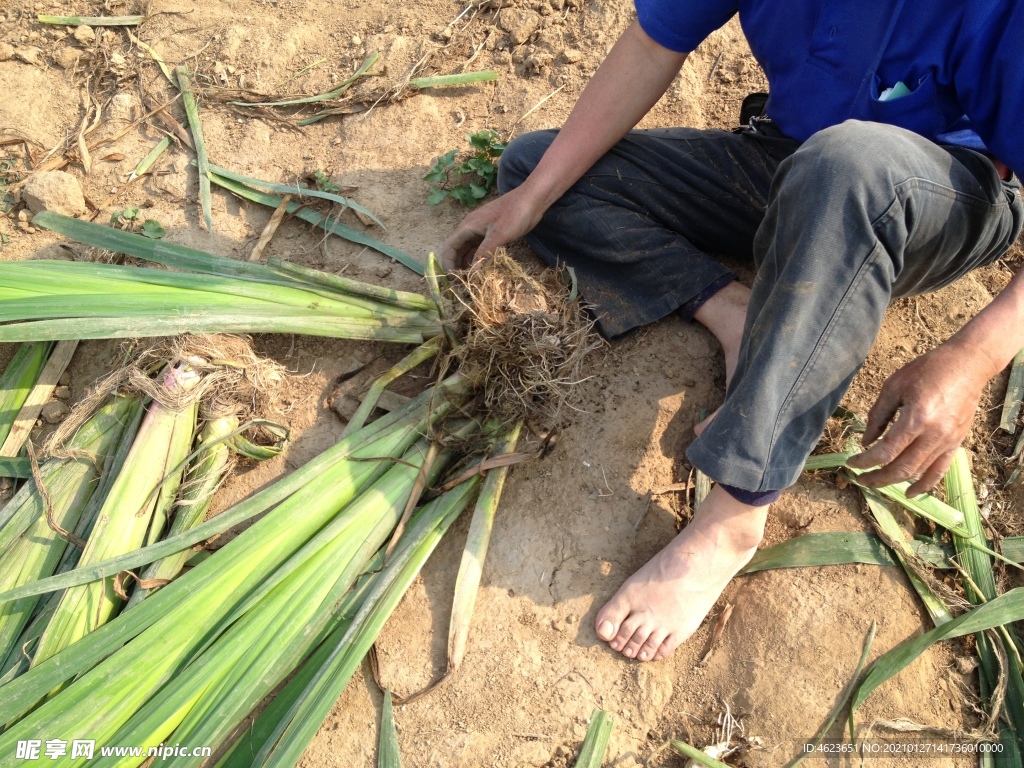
x=996 y=334
x=635 y=75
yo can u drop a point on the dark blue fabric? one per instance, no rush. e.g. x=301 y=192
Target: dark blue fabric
x=753 y=498
x=836 y=227
x=639 y=226
x=828 y=61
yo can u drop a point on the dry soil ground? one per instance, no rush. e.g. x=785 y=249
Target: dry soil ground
x=565 y=539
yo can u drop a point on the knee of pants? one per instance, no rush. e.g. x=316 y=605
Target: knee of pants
x=521 y=157
x=853 y=155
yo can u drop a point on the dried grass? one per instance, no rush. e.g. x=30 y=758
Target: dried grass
x=234 y=381
x=523 y=340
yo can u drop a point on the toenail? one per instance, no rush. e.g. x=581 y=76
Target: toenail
x=629 y=652
x=643 y=655
x=606 y=629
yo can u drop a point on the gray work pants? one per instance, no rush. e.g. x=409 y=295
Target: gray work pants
x=836 y=227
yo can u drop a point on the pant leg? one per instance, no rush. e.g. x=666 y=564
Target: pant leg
x=859 y=214
x=638 y=227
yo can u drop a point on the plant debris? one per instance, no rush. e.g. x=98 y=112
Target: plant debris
x=523 y=340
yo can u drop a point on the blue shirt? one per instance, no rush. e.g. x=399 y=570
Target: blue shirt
x=829 y=60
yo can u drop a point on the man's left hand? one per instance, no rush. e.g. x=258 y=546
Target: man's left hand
x=936 y=396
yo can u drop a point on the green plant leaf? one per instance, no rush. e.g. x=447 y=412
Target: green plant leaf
x=462 y=194
x=437 y=195
x=387 y=748
x=595 y=743
x=696 y=755
x=324 y=183
x=128 y=214
x=1005 y=609
x=153 y=228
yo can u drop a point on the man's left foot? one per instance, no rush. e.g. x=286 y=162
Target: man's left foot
x=663 y=603
x=724 y=315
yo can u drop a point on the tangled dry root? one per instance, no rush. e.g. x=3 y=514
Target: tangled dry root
x=523 y=340
x=234 y=380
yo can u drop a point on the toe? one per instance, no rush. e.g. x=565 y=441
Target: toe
x=610 y=618
x=639 y=637
x=668 y=645
x=626 y=630
x=651 y=645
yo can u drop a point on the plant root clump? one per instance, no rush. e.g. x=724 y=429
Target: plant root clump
x=523 y=340
x=234 y=381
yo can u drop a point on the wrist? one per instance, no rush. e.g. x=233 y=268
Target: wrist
x=541 y=189
x=973 y=356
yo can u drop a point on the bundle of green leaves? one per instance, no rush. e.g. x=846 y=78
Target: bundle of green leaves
x=466 y=177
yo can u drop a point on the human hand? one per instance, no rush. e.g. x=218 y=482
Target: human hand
x=936 y=396
x=489 y=227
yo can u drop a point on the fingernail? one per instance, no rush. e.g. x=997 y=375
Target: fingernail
x=606 y=630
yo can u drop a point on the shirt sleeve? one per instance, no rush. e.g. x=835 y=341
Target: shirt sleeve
x=682 y=25
x=989 y=79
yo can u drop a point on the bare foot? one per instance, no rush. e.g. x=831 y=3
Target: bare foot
x=664 y=602
x=724 y=314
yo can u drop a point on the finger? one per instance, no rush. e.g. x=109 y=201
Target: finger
x=889 y=401
x=900 y=437
x=932 y=475
x=490 y=243
x=909 y=464
x=458 y=245
x=466 y=256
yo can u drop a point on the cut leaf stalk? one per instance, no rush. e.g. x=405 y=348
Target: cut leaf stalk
x=136 y=505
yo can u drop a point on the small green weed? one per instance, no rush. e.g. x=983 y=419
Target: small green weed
x=466 y=177
x=130 y=220
x=324 y=183
x=7 y=178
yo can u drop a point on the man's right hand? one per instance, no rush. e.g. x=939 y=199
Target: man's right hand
x=486 y=229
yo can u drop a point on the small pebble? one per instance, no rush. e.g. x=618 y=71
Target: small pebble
x=84 y=35
x=29 y=55
x=55 y=412
x=357 y=40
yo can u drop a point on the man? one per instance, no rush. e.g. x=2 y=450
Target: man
x=874 y=175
